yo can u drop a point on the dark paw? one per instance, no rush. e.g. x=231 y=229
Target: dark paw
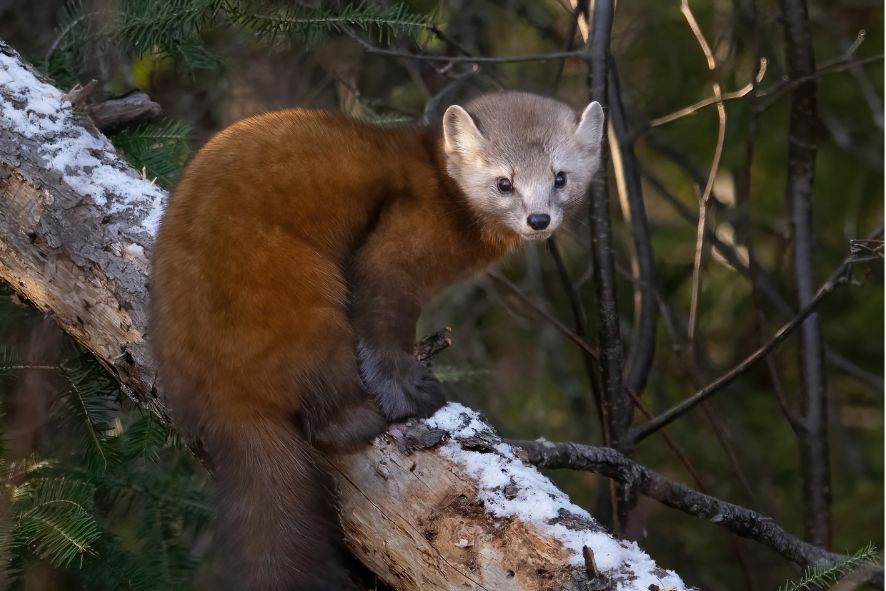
x=402 y=386
x=425 y=390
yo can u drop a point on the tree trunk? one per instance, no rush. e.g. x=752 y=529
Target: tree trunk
x=442 y=504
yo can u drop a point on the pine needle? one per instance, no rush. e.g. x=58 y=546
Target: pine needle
x=160 y=149
x=825 y=576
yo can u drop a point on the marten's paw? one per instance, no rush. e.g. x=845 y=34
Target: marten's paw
x=402 y=386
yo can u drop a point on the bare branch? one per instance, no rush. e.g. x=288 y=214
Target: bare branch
x=773 y=94
x=835 y=66
x=739 y=520
x=618 y=409
x=743 y=225
x=813 y=436
x=124 y=110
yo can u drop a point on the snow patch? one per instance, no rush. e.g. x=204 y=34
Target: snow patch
x=90 y=165
x=509 y=488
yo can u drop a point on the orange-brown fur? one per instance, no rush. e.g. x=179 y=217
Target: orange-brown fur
x=291 y=235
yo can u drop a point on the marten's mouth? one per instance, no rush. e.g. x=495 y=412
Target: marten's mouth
x=537 y=235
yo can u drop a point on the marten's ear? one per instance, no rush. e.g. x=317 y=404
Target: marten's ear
x=460 y=133
x=591 y=126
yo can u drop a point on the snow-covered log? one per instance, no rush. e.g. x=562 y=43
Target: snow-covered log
x=440 y=504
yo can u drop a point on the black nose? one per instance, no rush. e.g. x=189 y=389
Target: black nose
x=538 y=221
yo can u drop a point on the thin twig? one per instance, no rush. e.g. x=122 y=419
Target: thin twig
x=728 y=96
x=579 y=320
x=565 y=330
x=867 y=88
x=728 y=251
x=837 y=278
x=835 y=66
x=773 y=94
x=578 y=16
x=464 y=59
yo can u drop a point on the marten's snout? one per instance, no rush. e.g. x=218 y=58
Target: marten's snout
x=538 y=221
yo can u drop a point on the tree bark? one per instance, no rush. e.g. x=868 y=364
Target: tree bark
x=813 y=422
x=437 y=505
x=616 y=408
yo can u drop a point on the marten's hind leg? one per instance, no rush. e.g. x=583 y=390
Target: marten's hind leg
x=336 y=413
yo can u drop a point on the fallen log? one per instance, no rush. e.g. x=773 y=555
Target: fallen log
x=433 y=505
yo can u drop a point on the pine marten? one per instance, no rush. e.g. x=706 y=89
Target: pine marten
x=288 y=275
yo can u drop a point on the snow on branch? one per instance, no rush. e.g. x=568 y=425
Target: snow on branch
x=739 y=520
x=434 y=505
x=85 y=158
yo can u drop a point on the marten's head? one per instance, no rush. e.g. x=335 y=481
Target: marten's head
x=522 y=160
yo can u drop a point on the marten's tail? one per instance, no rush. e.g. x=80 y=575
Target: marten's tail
x=277 y=522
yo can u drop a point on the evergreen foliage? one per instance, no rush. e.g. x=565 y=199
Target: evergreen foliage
x=160 y=150
x=65 y=58
x=171 y=27
x=115 y=500
x=176 y=29
x=55 y=518
x=118 y=502
x=824 y=577
x=381 y=23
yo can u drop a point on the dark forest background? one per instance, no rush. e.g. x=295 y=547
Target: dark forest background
x=143 y=506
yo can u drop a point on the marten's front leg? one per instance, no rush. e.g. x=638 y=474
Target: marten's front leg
x=384 y=310
x=402 y=386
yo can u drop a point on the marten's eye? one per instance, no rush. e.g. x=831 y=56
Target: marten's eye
x=560 y=180
x=505 y=185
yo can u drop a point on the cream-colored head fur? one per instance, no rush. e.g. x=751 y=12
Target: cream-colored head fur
x=526 y=140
